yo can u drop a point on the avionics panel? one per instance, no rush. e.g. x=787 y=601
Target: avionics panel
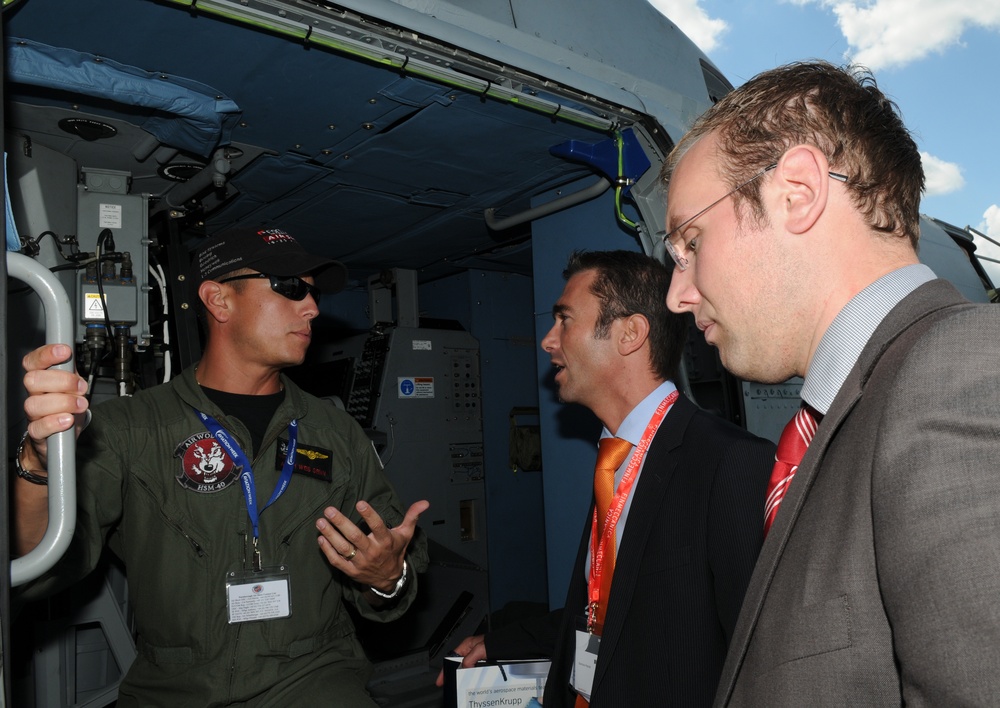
x=417 y=393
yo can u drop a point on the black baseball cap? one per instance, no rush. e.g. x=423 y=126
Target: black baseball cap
x=272 y=251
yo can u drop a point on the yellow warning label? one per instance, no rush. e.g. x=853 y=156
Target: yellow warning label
x=93 y=308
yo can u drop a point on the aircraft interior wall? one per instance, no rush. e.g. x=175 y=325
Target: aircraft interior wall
x=496 y=308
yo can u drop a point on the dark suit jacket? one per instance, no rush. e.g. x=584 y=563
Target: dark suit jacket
x=693 y=533
x=879 y=583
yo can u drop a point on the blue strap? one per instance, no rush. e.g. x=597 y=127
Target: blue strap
x=246 y=473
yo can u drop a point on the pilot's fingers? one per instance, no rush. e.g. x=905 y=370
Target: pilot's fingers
x=54 y=396
x=375 y=565
x=52 y=405
x=376 y=525
x=390 y=537
x=41 y=382
x=355 y=537
x=49 y=413
x=38 y=382
x=413 y=515
x=333 y=556
x=46 y=356
x=331 y=539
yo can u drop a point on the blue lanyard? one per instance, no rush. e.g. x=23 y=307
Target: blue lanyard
x=246 y=474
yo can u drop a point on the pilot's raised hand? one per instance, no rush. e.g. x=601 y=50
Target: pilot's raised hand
x=375 y=559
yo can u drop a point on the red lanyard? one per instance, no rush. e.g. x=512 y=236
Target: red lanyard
x=598 y=547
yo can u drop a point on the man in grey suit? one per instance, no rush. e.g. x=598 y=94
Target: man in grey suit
x=793 y=222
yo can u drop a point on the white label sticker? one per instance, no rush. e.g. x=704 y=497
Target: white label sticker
x=110 y=216
x=415 y=386
x=422 y=345
x=92 y=307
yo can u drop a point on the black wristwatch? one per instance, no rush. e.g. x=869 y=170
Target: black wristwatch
x=28 y=475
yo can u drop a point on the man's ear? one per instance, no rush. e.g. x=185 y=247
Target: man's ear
x=217 y=304
x=633 y=335
x=802 y=173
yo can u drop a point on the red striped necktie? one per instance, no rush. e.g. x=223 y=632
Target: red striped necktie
x=792 y=444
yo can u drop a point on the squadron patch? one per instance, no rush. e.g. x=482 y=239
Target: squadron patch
x=314 y=462
x=205 y=466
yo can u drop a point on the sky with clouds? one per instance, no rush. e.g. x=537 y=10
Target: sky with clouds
x=938 y=59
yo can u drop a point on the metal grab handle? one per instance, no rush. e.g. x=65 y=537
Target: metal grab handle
x=61 y=446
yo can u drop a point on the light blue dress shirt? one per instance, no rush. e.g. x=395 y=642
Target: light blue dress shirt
x=632 y=429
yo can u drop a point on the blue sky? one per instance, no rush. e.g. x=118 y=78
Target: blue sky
x=938 y=60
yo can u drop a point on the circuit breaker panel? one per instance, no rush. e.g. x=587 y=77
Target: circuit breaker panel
x=112 y=291
x=91 y=230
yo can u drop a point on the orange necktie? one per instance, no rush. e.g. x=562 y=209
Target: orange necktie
x=611 y=452
x=610 y=455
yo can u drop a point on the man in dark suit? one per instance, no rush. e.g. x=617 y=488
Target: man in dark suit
x=878 y=582
x=694 y=515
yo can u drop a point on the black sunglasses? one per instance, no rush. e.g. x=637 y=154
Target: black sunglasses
x=290 y=286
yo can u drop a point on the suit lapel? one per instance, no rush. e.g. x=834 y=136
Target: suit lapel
x=923 y=301
x=647 y=504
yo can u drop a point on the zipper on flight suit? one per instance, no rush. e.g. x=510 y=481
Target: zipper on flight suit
x=173 y=524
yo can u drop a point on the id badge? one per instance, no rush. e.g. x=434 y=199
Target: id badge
x=585 y=662
x=252 y=597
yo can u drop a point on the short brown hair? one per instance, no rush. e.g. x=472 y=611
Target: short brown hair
x=628 y=283
x=842 y=112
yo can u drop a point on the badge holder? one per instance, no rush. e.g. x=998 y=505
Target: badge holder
x=584 y=658
x=262 y=595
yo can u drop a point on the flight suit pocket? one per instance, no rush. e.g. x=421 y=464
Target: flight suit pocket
x=293 y=640
x=162 y=656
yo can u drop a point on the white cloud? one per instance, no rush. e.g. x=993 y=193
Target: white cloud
x=940 y=177
x=701 y=29
x=893 y=33
x=987 y=249
x=991 y=222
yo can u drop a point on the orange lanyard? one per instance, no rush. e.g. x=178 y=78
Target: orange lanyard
x=598 y=547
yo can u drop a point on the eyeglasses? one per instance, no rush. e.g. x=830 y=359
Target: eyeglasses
x=680 y=251
x=290 y=286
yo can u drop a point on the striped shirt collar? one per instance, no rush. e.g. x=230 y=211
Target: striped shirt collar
x=843 y=341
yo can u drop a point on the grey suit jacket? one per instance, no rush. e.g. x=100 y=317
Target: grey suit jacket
x=879 y=583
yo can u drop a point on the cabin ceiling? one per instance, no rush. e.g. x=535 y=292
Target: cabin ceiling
x=361 y=162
